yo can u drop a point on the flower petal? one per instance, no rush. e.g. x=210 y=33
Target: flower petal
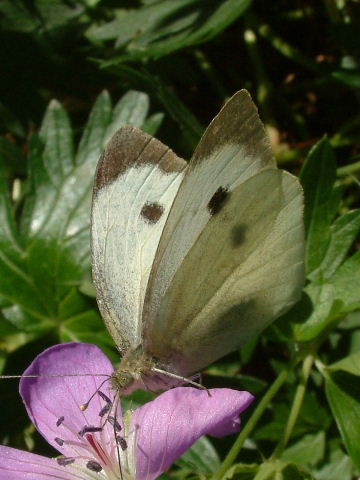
x=49 y=399
x=17 y=465
x=166 y=427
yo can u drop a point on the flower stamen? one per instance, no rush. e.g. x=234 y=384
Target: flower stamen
x=105 y=410
x=97 y=456
x=122 y=442
x=112 y=420
x=104 y=397
x=60 y=421
x=89 y=429
x=94 y=466
x=64 y=461
x=84 y=406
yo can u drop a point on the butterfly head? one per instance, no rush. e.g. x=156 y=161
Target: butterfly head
x=135 y=366
x=138 y=370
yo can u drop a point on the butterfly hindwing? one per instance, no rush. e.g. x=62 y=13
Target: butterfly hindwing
x=245 y=269
x=136 y=181
x=203 y=299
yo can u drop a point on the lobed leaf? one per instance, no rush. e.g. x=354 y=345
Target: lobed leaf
x=40 y=275
x=156 y=29
x=332 y=291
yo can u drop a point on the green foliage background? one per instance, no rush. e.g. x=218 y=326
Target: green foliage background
x=167 y=66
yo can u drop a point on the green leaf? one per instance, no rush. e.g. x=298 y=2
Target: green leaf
x=37 y=15
x=241 y=471
x=40 y=275
x=317 y=177
x=307 y=421
x=308 y=451
x=9 y=241
x=343 y=233
x=56 y=135
x=345 y=282
x=350 y=364
x=92 y=139
x=324 y=304
x=87 y=327
x=153 y=123
x=132 y=109
x=200 y=458
x=136 y=399
x=339 y=466
x=319 y=421
x=316 y=312
x=332 y=291
x=349 y=78
x=280 y=470
x=343 y=393
x=171 y=102
x=157 y=29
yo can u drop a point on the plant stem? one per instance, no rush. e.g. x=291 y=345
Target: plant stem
x=348 y=169
x=296 y=406
x=250 y=425
x=264 y=87
x=284 y=47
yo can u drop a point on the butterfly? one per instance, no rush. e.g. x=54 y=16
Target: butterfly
x=191 y=260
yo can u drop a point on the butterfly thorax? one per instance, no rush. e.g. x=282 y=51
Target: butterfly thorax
x=134 y=369
x=139 y=370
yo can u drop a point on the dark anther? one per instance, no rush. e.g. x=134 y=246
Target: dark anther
x=59 y=441
x=63 y=461
x=104 y=397
x=89 y=429
x=122 y=442
x=104 y=410
x=59 y=421
x=94 y=466
x=114 y=423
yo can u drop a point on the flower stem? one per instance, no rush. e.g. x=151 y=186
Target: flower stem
x=296 y=406
x=250 y=425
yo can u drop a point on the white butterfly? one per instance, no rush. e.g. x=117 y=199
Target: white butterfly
x=192 y=260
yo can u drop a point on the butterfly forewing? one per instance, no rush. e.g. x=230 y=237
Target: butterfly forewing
x=233 y=148
x=135 y=184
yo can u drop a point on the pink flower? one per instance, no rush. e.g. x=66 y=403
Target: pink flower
x=143 y=443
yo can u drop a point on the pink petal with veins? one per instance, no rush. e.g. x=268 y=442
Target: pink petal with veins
x=166 y=427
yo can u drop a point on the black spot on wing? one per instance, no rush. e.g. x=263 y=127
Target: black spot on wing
x=218 y=200
x=152 y=211
x=238 y=235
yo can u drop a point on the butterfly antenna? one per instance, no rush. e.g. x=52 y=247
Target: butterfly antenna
x=183 y=379
x=40 y=375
